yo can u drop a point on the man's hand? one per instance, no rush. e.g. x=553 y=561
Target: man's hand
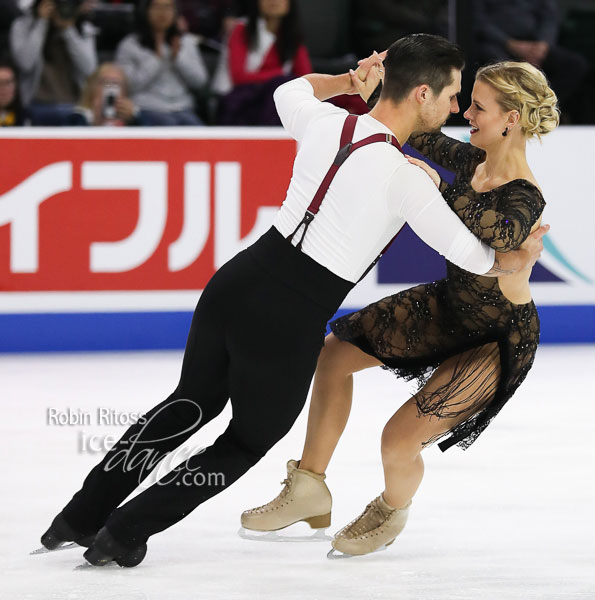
x=523 y=258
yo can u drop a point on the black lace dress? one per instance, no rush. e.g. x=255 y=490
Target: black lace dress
x=414 y=331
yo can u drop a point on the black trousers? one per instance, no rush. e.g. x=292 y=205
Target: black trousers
x=235 y=351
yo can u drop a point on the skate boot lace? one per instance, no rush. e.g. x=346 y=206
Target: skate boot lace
x=372 y=517
x=287 y=486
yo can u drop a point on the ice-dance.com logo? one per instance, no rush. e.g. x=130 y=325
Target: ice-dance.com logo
x=152 y=445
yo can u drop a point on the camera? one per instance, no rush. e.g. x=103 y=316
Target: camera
x=111 y=92
x=67 y=9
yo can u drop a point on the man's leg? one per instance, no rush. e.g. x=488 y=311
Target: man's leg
x=267 y=395
x=200 y=396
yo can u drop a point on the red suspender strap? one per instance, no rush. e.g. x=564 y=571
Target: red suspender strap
x=346 y=148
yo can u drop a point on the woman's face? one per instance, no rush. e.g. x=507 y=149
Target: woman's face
x=161 y=14
x=486 y=117
x=273 y=8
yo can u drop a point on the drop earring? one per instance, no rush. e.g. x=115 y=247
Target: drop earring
x=505 y=132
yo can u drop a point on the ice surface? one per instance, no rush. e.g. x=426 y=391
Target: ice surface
x=510 y=518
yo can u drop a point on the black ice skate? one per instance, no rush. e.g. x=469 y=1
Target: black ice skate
x=61 y=536
x=105 y=548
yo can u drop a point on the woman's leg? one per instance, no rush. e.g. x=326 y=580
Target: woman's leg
x=331 y=400
x=461 y=386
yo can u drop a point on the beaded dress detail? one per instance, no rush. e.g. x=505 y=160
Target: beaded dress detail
x=463 y=315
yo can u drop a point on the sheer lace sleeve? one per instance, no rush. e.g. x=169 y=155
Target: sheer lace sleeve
x=504 y=225
x=446 y=151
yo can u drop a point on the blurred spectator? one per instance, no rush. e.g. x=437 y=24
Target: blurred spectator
x=211 y=19
x=528 y=30
x=53 y=47
x=9 y=11
x=105 y=100
x=163 y=66
x=261 y=54
x=378 y=23
x=11 y=109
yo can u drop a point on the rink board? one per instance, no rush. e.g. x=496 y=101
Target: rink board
x=107 y=237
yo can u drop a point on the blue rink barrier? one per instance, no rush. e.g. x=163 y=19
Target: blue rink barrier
x=72 y=332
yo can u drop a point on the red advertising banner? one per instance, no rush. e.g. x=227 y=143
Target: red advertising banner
x=133 y=214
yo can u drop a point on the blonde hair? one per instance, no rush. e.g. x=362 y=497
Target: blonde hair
x=88 y=91
x=524 y=88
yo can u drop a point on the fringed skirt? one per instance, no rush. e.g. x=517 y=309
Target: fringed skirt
x=463 y=317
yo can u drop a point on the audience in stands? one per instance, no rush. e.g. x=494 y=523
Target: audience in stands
x=378 y=23
x=167 y=49
x=262 y=52
x=163 y=66
x=53 y=47
x=528 y=30
x=105 y=100
x=213 y=20
x=11 y=110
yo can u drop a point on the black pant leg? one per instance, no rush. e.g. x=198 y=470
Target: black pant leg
x=269 y=378
x=200 y=396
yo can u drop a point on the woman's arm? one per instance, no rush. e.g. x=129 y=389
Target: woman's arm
x=505 y=227
x=27 y=37
x=189 y=64
x=81 y=47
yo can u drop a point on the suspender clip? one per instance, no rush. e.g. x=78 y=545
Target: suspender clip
x=389 y=138
x=342 y=155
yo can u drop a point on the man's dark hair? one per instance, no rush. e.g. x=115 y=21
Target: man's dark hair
x=417 y=59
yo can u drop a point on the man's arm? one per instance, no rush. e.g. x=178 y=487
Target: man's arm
x=298 y=102
x=412 y=196
x=506 y=263
x=362 y=81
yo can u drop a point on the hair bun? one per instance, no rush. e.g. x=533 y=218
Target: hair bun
x=524 y=88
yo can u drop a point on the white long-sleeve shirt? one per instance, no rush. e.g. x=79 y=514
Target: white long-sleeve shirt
x=373 y=194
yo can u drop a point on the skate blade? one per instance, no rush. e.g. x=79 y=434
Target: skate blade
x=334 y=554
x=86 y=566
x=44 y=550
x=273 y=536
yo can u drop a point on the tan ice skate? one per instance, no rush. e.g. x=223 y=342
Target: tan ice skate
x=305 y=497
x=374 y=530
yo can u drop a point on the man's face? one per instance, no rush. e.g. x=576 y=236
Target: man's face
x=437 y=109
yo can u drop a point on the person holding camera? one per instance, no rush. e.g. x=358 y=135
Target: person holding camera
x=163 y=66
x=104 y=100
x=53 y=47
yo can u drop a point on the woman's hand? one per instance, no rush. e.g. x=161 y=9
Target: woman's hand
x=368 y=85
x=365 y=64
x=426 y=167
x=125 y=109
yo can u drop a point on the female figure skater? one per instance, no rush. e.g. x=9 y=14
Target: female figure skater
x=469 y=340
